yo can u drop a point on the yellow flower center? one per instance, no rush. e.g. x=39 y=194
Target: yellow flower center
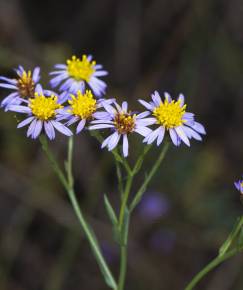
x=80 y=69
x=124 y=123
x=83 y=105
x=26 y=85
x=169 y=114
x=44 y=108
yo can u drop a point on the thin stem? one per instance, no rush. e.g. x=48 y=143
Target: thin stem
x=231 y=238
x=124 y=217
x=123 y=227
x=91 y=238
x=154 y=169
x=123 y=267
x=130 y=175
x=68 y=184
x=140 y=160
x=69 y=163
x=125 y=198
x=215 y=262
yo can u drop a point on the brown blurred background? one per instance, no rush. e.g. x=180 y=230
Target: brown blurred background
x=189 y=46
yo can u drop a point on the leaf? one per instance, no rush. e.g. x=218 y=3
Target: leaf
x=110 y=211
x=240 y=238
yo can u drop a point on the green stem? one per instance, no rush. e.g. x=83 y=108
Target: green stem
x=123 y=227
x=69 y=163
x=123 y=267
x=143 y=187
x=140 y=160
x=124 y=217
x=231 y=238
x=68 y=184
x=224 y=254
x=215 y=262
x=92 y=240
x=125 y=199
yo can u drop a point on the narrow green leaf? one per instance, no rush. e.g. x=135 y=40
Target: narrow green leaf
x=110 y=211
x=240 y=238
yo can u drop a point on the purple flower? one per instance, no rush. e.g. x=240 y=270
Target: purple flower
x=153 y=205
x=23 y=86
x=41 y=111
x=122 y=123
x=76 y=73
x=239 y=185
x=170 y=115
x=82 y=107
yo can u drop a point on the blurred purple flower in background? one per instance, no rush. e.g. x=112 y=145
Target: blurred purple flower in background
x=154 y=205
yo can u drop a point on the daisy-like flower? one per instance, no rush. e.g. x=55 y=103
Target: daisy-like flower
x=23 y=86
x=122 y=122
x=239 y=185
x=76 y=73
x=82 y=108
x=41 y=111
x=171 y=116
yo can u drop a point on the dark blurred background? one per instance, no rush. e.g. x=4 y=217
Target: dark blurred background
x=189 y=46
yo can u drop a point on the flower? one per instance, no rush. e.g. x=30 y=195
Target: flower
x=76 y=73
x=122 y=122
x=154 y=205
x=239 y=185
x=82 y=107
x=171 y=115
x=42 y=111
x=23 y=86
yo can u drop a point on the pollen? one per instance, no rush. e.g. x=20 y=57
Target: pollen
x=124 y=123
x=44 y=108
x=169 y=114
x=26 y=85
x=80 y=69
x=83 y=105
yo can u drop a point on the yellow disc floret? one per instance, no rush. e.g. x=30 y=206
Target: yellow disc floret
x=80 y=69
x=26 y=85
x=83 y=105
x=44 y=108
x=169 y=114
x=124 y=123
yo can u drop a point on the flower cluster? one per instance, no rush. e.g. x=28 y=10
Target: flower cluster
x=80 y=100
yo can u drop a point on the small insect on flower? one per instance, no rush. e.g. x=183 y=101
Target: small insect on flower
x=171 y=116
x=42 y=111
x=82 y=108
x=76 y=73
x=23 y=86
x=239 y=185
x=122 y=122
